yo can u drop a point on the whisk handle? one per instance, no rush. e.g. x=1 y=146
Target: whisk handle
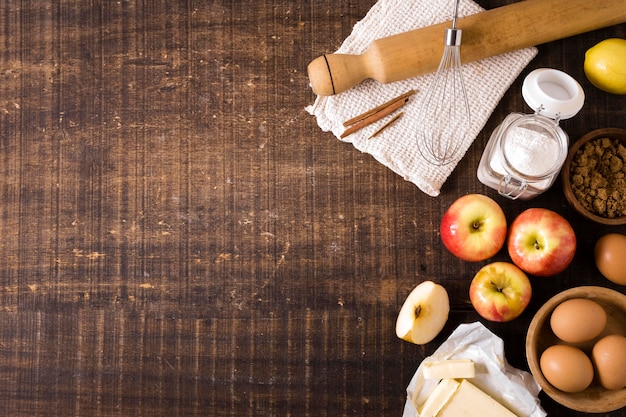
x=492 y=32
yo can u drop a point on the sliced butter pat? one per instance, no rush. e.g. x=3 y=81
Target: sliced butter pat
x=439 y=397
x=471 y=401
x=452 y=368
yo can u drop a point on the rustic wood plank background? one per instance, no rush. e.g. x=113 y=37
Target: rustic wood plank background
x=178 y=237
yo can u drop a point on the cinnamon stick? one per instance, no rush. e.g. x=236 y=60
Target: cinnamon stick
x=386 y=125
x=378 y=108
x=374 y=117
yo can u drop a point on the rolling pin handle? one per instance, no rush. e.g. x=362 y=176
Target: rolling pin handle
x=332 y=74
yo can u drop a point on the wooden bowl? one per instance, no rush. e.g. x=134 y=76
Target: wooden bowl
x=613 y=133
x=594 y=399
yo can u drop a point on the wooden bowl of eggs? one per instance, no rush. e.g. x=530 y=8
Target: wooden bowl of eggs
x=576 y=349
x=593 y=176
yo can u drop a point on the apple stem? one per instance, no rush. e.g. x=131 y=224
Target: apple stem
x=476 y=225
x=418 y=310
x=498 y=288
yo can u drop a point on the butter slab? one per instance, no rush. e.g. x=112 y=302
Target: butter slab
x=451 y=368
x=471 y=401
x=440 y=396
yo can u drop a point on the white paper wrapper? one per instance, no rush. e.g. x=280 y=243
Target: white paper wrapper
x=515 y=389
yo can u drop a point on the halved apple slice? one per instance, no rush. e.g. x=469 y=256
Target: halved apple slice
x=423 y=314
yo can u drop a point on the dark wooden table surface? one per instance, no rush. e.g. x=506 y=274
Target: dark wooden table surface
x=178 y=237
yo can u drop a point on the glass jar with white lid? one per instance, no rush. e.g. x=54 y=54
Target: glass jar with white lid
x=525 y=153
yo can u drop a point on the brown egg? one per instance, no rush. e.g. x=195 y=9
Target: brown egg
x=578 y=320
x=609 y=358
x=610 y=257
x=567 y=368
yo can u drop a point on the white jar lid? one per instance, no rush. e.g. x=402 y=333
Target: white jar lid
x=553 y=93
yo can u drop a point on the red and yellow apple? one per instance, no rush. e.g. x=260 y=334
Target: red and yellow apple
x=423 y=314
x=500 y=291
x=541 y=242
x=473 y=228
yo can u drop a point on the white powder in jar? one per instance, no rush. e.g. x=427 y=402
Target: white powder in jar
x=529 y=151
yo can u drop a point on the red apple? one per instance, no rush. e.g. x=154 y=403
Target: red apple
x=500 y=291
x=541 y=242
x=473 y=228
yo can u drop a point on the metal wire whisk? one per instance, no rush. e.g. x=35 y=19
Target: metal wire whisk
x=444 y=113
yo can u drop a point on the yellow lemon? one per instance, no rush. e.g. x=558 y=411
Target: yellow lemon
x=605 y=65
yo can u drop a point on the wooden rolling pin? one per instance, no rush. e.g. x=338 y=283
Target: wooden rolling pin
x=492 y=32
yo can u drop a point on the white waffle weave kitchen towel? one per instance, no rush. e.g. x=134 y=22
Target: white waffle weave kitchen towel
x=486 y=81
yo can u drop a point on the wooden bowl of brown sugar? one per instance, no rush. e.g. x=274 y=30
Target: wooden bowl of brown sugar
x=594 y=176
